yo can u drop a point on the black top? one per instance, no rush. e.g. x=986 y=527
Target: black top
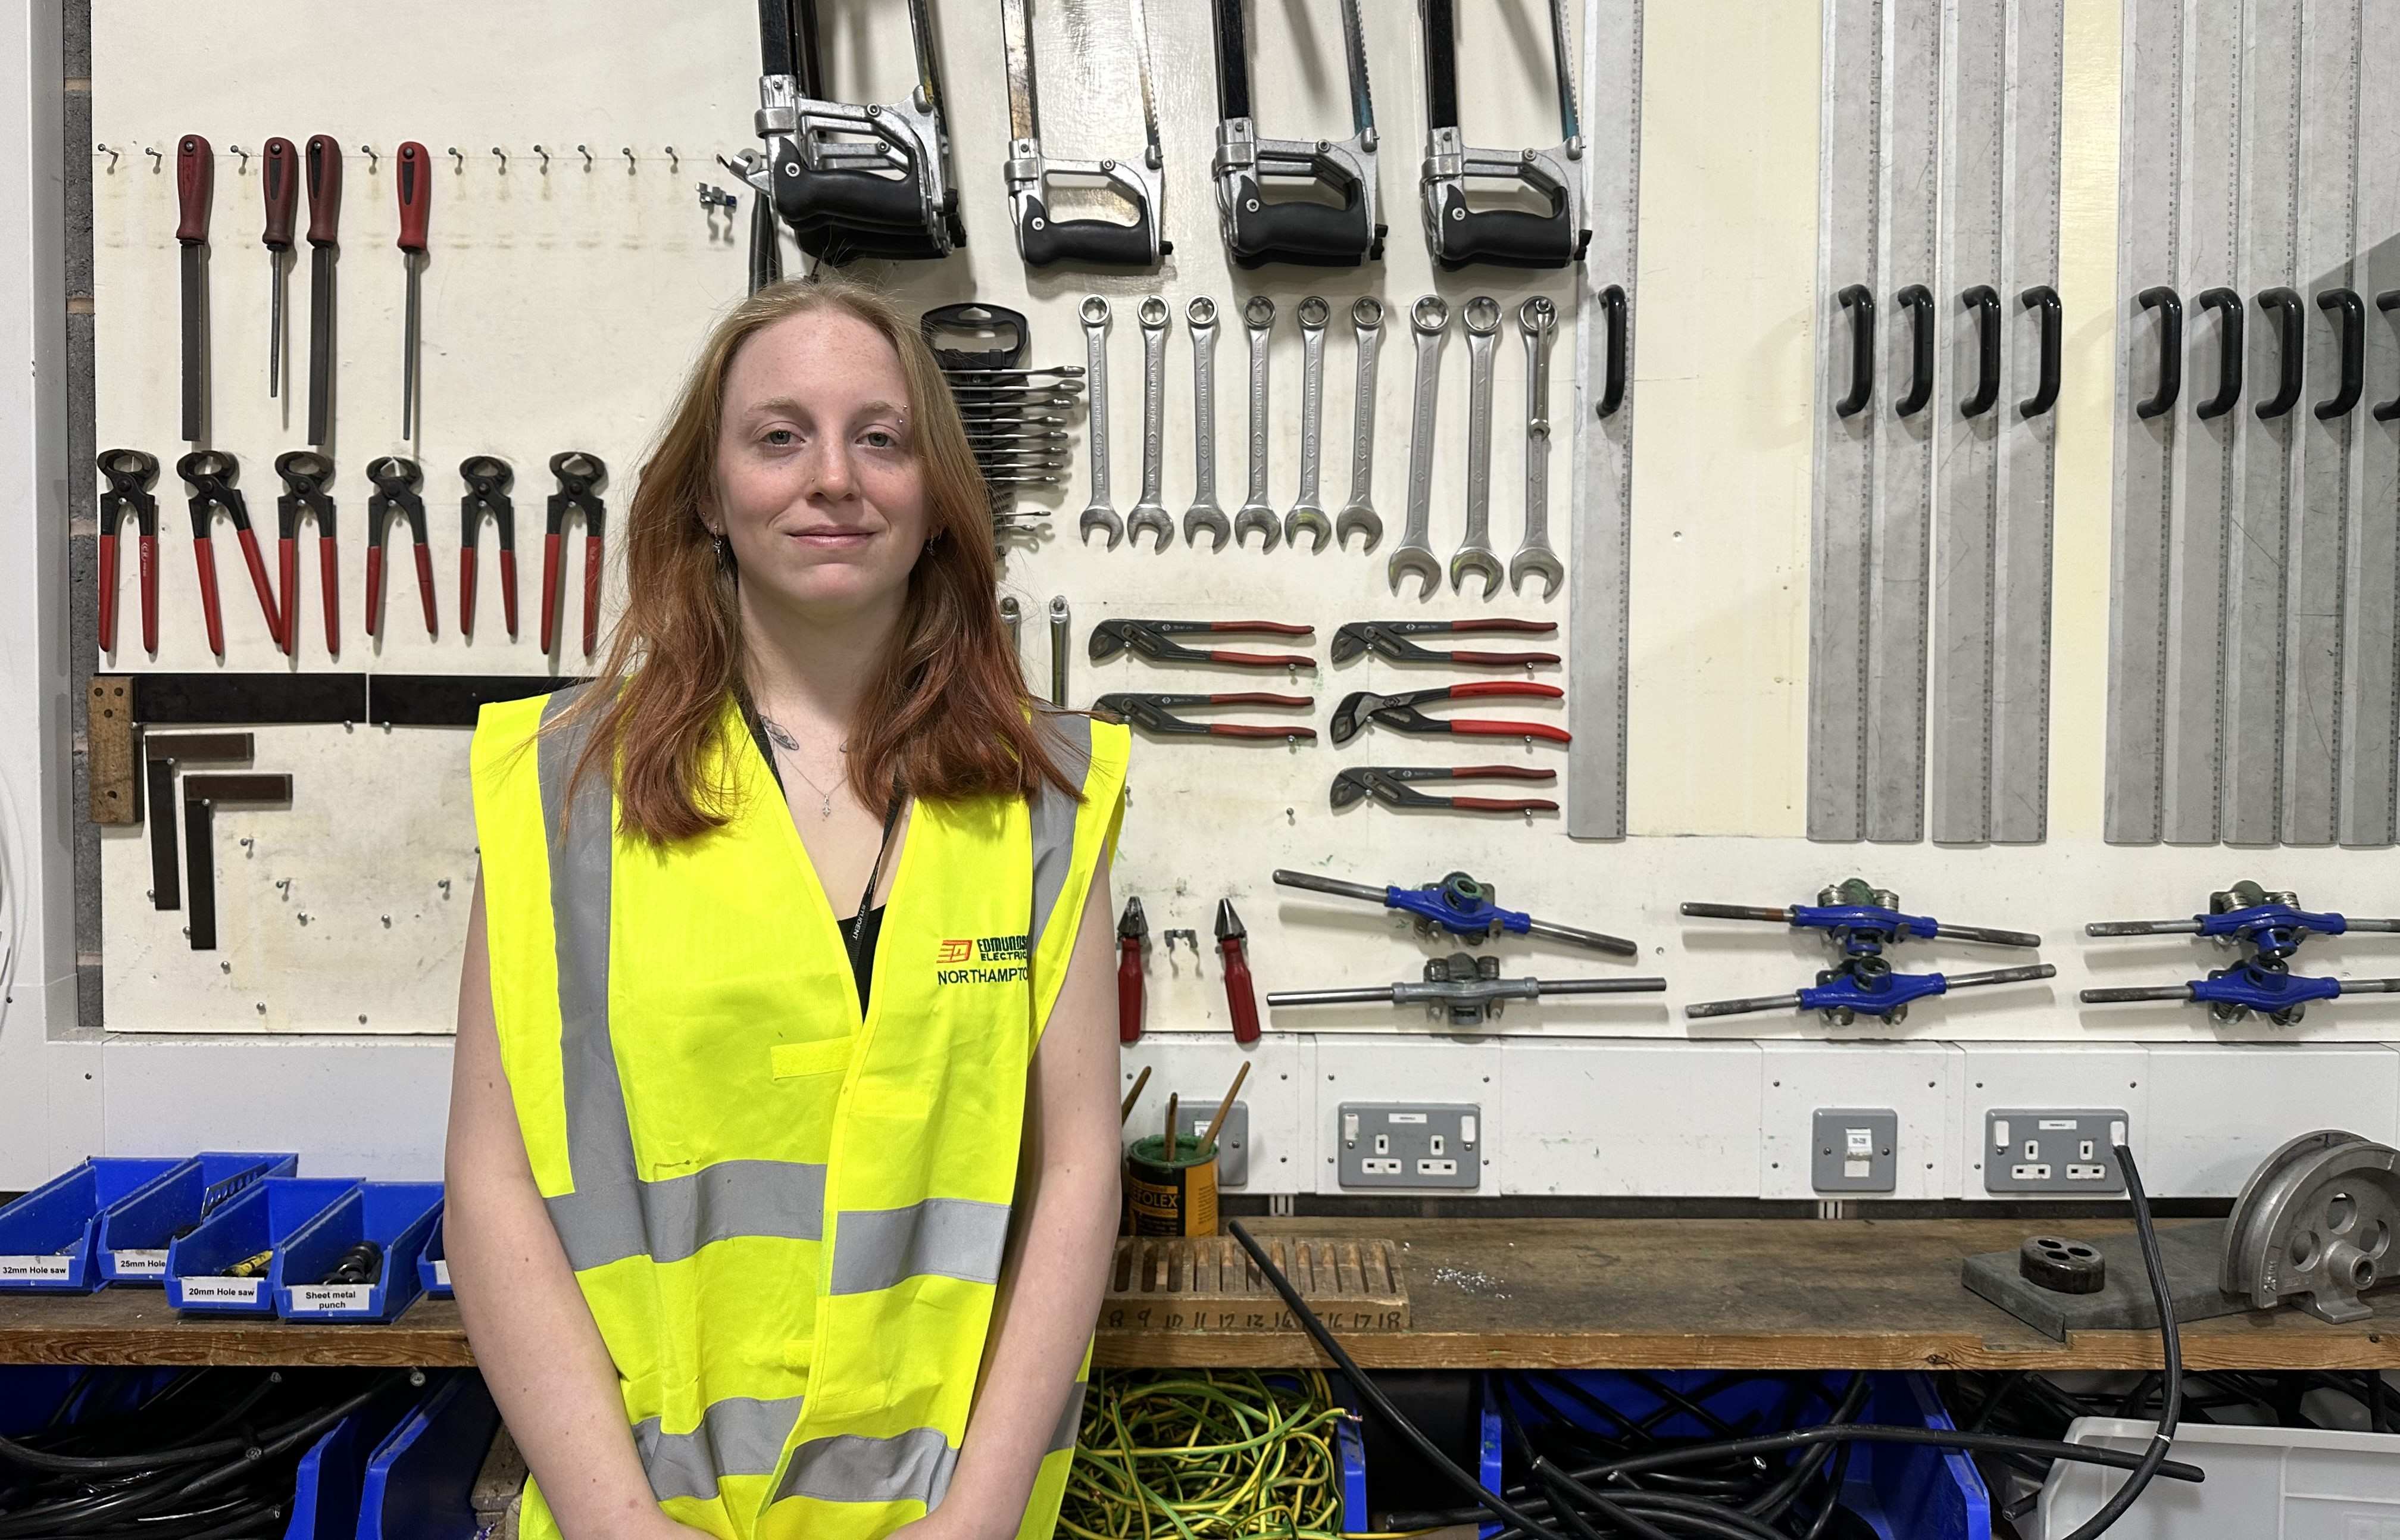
x=864 y=926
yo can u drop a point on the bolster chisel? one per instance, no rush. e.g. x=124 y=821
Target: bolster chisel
x=323 y=158
x=196 y=169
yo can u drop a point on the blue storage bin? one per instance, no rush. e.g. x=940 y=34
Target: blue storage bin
x=333 y=1475
x=46 y=1237
x=420 y=1482
x=134 y=1234
x=433 y=1265
x=262 y=1216
x=1904 y=1492
x=397 y=1215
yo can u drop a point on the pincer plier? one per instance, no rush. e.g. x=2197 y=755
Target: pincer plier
x=1393 y=786
x=396 y=479
x=1155 y=641
x=1399 y=712
x=130 y=473
x=1389 y=639
x=210 y=473
x=308 y=475
x=1156 y=714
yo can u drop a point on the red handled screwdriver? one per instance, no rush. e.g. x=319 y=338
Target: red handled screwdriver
x=279 y=178
x=413 y=178
x=1240 y=998
x=195 y=180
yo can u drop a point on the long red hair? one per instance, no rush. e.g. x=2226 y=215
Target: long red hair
x=948 y=717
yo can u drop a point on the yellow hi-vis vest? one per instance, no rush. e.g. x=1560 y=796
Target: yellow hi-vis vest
x=787 y=1221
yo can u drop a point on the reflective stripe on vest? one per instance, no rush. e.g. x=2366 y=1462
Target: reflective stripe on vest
x=884 y=1260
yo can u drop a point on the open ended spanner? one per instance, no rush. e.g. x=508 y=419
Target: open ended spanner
x=1358 y=514
x=1481 y=317
x=1308 y=512
x=1257 y=319
x=1200 y=316
x=1097 y=515
x=1413 y=556
x=1537 y=318
x=1149 y=514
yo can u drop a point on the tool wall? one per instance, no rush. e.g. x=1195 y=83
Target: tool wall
x=1792 y=645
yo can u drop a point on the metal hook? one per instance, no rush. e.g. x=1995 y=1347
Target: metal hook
x=503 y=158
x=628 y=152
x=675 y=163
x=460 y=168
x=374 y=161
x=545 y=159
x=586 y=154
x=102 y=149
x=236 y=149
x=158 y=159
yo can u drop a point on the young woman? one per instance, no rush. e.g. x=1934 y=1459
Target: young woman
x=773 y=1213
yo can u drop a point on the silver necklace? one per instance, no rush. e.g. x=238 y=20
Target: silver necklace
x=791 y=745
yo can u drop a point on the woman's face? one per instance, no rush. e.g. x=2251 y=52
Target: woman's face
x=819 y=486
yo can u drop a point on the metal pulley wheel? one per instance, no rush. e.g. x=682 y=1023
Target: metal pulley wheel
x=2314 y=1224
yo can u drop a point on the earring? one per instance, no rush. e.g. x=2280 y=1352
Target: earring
x=724 y=553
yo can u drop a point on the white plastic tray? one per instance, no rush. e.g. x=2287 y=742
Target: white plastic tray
x=2264 y=1483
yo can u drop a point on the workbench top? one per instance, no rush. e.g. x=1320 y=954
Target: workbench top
x=1483 y=1294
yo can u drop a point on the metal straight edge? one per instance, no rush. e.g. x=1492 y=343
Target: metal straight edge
x=2324 y=487
x=1601 y=542
x=2150 y=185
x=1972 y=130
x=2028 y=494
x=2265 y=453
x=1842 y=498
x=2203 y=501
x=2370 y=677
x=1910 y=232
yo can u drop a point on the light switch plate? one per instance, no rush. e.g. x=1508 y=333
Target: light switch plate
x=1410 y=1144
x=1854 y=1150
x=2054 y=1149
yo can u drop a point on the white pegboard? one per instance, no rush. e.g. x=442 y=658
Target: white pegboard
x=562 y=306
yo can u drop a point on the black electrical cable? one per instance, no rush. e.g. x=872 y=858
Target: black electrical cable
x=2170 y=1348
x=1373 y=1394
x=1561 y=1490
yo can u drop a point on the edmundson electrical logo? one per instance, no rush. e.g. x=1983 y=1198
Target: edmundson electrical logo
x=984 y=960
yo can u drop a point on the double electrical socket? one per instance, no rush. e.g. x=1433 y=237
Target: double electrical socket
x=1411 y=1144
x=2048 y=1150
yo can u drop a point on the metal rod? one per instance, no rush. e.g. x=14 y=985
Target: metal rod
x=1743 y=1007
x=1330 y=997
x=2128 y=994
x=1599 y=985
x=1737 y=911
x=2025 y=974
x=2143 y=927
x=1335 y=886
x=1986 y=935
x=1615 y=946
x=2370 y=986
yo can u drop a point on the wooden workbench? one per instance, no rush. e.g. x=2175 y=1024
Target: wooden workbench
x=1484 y=1294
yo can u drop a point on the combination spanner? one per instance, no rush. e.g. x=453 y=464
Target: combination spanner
x=1413 y=556
x=1149 y=514
x=1097 y=515
x=1358 y=514
x=1200 y=316
x=1257 y=319
x=1308 y=512
x=1537 y=318
x=1059 y=651
x=1482 y=318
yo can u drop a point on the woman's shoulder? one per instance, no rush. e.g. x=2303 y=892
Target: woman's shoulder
x=508 y=728
x=1081 y=743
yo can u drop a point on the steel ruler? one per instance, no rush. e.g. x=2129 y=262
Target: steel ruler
x=2148 y=233
x=1597 y=641
x=2370 y=727
x=1847 y=432
x=1992 y=430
